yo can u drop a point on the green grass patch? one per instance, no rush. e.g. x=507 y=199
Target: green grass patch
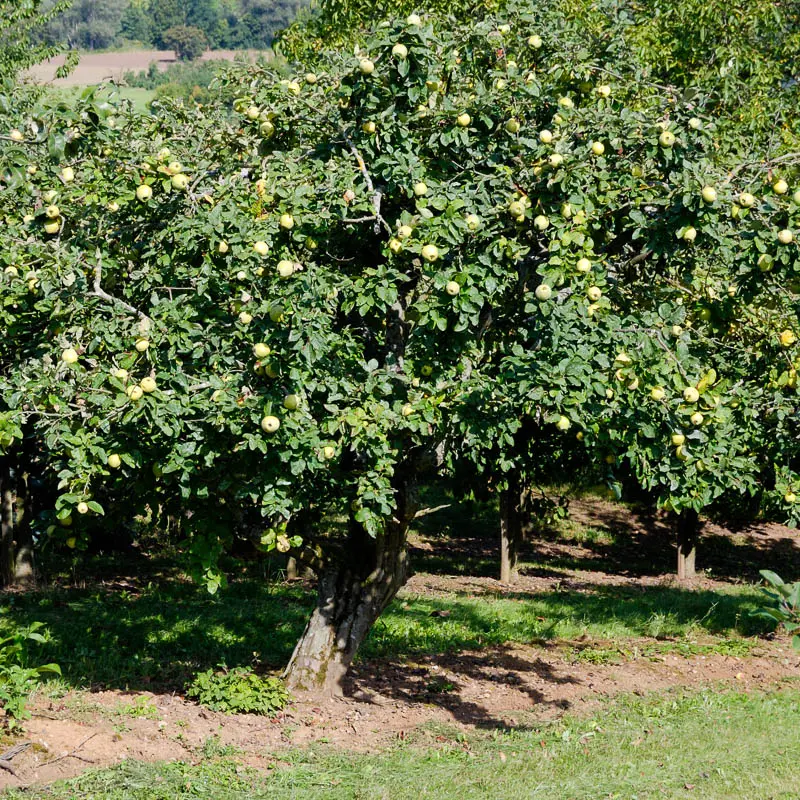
x=711 y=744
x=161 y=635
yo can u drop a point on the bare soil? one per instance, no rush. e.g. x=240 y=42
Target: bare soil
x=512 y=686
x=95 y=68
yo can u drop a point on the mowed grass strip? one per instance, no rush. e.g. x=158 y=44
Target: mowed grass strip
x=681 y=744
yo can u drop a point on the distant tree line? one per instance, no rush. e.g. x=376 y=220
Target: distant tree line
x=224 y=24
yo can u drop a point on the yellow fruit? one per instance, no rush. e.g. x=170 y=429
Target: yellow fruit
x=69 y=356
x=180 y=182
x=563 y=423
x=328 y=452
x=785 y=236
x=697 y=418
x=780 y=187
x=463 y=120
x=709 y=194
x=400 y=51
x=366 y=66
x=291 y=402
x=430 y=252
x=541 y=222
x=746 y=200
x=790 y=497
x=72 y=542
x=144 y=193
x=657 y=393
x=407 y=410
x=52 y=226
x=545 y=136
x=67 y=175
x=148 y=385
x=594 y=293
x=535 y=42
x=598 y=148
x=420 y=189
x=677 y=439
x=787 y=338
x=543 y=292
x=691 y=395
x=369 y=127
x=681 y=453
x=285 y=269
x=689 y=234
x=583 y=265
x=452 y=288
x=245 y=318
x=270 y=424
x=666 y=139
x=114 y=461
x=286 y=221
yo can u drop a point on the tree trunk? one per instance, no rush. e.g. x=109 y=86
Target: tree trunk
x=7 y=503
x=510 y=529
x=351 y=595
x=687 y=543
x=23 y=532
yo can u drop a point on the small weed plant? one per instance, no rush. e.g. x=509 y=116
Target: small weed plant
x=17 y=679
x=238 y=690
x=785 y=606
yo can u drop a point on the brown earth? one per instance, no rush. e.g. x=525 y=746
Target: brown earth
x=95 y=68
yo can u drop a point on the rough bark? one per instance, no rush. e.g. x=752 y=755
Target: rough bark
x=688 y=529
x=7 y=503
x=510 y=529
x=352 y=593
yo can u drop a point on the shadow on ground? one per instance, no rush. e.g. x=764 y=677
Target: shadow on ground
x=601 y=537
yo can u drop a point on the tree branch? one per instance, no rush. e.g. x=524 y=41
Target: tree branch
x=98 y=291
x=376 y=195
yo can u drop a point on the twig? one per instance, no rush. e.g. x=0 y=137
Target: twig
x=423 y=512
x=9 y=754
x=99 y=291
x=73 y=753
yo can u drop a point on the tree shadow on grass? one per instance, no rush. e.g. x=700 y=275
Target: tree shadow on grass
x=156 y=637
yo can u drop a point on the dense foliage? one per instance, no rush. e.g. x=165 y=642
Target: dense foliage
x=484 y=247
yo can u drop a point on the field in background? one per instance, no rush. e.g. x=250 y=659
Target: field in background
x=97 y=68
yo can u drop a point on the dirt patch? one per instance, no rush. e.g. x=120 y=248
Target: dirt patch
x=95 y=68
x=499 y=688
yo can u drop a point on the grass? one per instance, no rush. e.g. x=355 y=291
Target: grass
x=708 y=743
x=160 y=635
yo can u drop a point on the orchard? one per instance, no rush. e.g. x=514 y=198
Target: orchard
x=490 y=249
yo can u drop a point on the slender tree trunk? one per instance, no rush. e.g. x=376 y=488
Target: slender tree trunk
x=23 y=531
x=351 y=596
x=687 y=543
x=510 y=529
x=7 y=503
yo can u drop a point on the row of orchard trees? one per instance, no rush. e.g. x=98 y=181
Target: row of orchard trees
x=489 y=247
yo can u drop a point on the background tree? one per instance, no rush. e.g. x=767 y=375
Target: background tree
x=188 y=42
